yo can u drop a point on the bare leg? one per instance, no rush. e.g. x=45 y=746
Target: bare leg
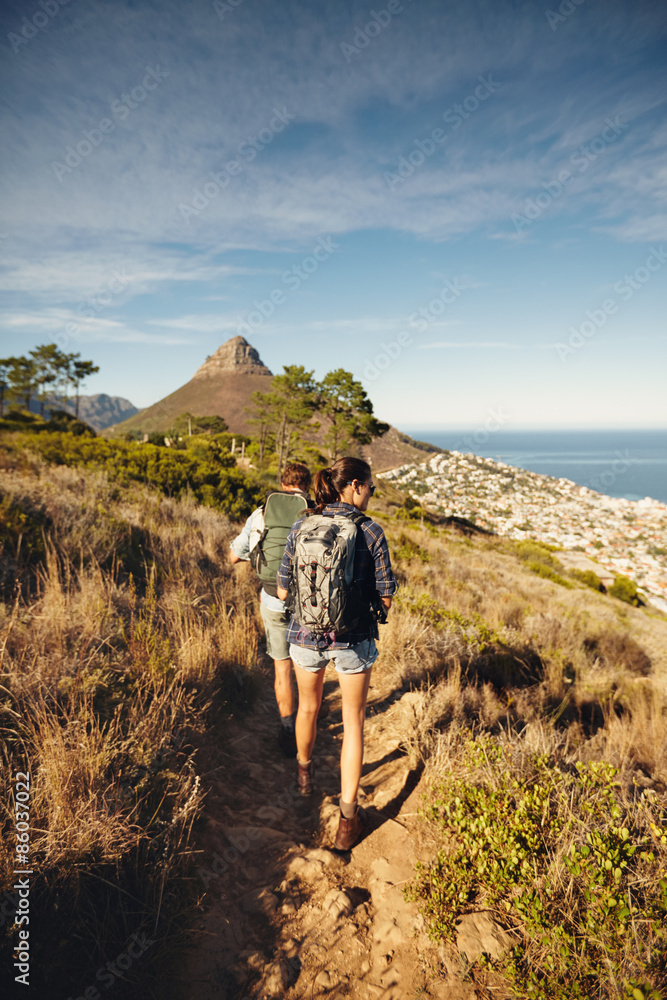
x=310 y=695
x=354 y=689
x=283 y=686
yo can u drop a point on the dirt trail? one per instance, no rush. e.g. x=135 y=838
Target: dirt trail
x=284 y=915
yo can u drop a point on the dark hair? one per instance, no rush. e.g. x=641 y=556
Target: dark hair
x=296 y=474
x=330 y=483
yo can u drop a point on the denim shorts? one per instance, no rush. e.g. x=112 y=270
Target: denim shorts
x=353 y=660
x=275 y=628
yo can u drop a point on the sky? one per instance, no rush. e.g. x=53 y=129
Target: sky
x=463 y=204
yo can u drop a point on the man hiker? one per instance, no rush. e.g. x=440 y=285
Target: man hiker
x=262 y=543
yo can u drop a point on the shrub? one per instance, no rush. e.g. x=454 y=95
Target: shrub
x=588 y=578
x=572 y=865
x=625 y=590
x=210 y=475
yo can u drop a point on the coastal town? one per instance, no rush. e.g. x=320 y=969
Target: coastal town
x=609 y=535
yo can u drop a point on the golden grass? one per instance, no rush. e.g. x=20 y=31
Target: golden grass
x=125 y=622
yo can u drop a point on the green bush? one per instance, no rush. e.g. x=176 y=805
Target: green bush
x=406 y=549
x=576 y=871
x=474 y=630
x=588 y=578
x=625 y=590
x=210 y=474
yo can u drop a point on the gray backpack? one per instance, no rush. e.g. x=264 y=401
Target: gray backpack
x=323 y=595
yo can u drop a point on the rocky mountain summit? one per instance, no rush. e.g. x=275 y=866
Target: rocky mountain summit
x=236 y=355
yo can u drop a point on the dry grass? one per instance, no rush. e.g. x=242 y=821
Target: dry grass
x=123 y=624
x=528 y=648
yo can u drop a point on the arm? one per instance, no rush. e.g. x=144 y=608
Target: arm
x=385 y=581
x=239 y=550
x=283 y=574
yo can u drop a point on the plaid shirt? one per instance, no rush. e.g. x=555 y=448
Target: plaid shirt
x=371 y=563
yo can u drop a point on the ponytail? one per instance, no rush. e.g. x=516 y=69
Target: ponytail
x=324 y=489
x=330 y=483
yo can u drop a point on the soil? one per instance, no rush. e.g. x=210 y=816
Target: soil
x=283 y=914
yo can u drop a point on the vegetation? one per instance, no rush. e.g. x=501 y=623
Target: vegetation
x=125 y=636
x=625 y=590
x=545 y=752
x=575 y=865
x=123 y=629
x=205 y=470
x=285 y=416
x=44 y=372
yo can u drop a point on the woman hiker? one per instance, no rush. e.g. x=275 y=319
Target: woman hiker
x=344 y=489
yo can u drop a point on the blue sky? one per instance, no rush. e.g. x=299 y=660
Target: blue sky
x=463 y=204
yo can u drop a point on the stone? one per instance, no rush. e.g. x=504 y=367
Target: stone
x=306 y=868
x=254 y=959
x=479 y=934
x=275 y=980
x=337 y=904
x=290 y=947
x=236 y=355
x=387 y=932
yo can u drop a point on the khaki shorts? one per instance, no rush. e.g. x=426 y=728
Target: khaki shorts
x=275 y=629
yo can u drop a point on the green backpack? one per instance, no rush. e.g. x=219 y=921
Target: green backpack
x=269 y=532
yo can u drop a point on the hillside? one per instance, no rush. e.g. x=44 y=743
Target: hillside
x=99 y=410
x=223 y=386
x=160 y=808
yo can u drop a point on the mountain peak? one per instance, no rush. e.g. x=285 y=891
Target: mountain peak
x=236 y=355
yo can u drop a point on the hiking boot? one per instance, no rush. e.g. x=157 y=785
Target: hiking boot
x=324 y=710
x=349 y=830
x=287 y=742
x=305 y=777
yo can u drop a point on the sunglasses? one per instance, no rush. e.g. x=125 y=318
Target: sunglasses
x=372 y=487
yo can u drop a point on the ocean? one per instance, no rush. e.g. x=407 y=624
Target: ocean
x=620 y=463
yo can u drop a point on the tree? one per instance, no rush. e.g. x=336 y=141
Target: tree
x=80 y=370
x=344 y=402
x=262 y=419
x=22 y=379
x=47 y=360
x=284 y=411
x=5 y=368
x=185 y=424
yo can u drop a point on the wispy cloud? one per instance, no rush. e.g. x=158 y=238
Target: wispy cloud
x=476 y=344
x=55 y=323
